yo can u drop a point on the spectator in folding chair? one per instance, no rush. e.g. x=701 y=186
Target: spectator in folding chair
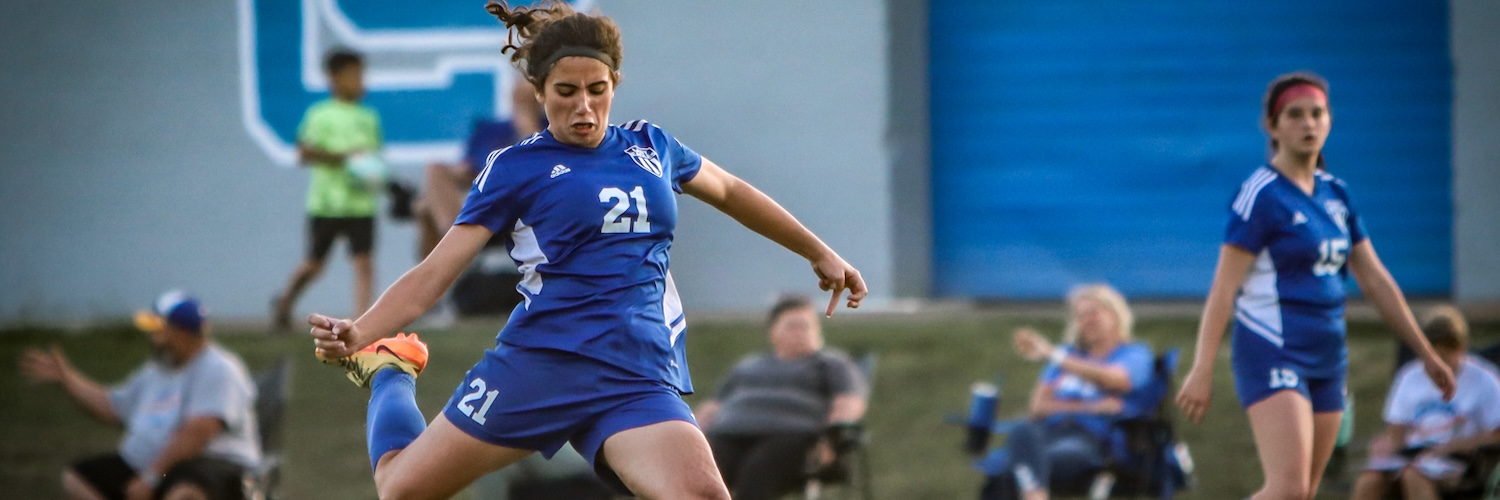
x=1429 y=444
x=1088 y=382
x=767 y=419
x=446 y=185
x=190 y=428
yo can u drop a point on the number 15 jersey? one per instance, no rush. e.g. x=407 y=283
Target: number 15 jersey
x=1293 y=297
x=590 y=231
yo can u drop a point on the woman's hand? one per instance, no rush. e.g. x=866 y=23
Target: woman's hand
x=1031 y=345
x=1196 y=392
x=837 y=275
x=334 y=338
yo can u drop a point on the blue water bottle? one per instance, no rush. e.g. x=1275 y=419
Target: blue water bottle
x=984 y=402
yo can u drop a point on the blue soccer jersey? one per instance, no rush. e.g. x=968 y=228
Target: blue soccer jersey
x=590 y=231
x=1293 y=297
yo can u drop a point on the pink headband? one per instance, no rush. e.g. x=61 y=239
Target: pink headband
x=1298 y=91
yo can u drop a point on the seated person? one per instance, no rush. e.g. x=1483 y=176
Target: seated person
x=1086 y=385
x=445 y=186
x=188 y=413
x=769 y=414
x=1424 y=433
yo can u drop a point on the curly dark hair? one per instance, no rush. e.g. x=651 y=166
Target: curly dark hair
x=538 y=33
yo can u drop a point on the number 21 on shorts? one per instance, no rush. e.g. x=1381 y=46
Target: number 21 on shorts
x=1283 y=378
x=479 y=392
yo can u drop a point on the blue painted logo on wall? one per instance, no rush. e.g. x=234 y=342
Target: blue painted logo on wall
x=432 y=67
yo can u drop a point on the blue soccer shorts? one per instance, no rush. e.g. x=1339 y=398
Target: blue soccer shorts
x=541 y=399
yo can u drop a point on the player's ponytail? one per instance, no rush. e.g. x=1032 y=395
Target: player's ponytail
x=541 y=35
x=1278 y=87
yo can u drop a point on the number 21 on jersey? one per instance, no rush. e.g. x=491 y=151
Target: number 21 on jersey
x=479 y=392
x=615 y=221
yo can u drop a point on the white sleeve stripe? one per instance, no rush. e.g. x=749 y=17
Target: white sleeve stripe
x=488 y=164
x=1250 y=190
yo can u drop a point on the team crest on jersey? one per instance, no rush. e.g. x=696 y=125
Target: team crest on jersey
x=1338 y=212
x=645 y=158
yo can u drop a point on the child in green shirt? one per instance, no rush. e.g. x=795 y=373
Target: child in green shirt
x=332 y=133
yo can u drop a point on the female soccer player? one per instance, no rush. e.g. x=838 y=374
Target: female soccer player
x=1291 y=230
x=594 y=355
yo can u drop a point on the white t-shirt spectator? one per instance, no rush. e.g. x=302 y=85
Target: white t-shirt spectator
x=157 y=400
x=1415 y=402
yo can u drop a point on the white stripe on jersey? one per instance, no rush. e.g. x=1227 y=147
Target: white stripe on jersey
x=529 y=253
x=1262 y=330
x=1259 y=307
x=671 y=308
x=488 y=163
x=1251 y=189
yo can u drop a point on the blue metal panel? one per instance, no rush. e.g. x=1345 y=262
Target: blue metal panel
x=1082 y=141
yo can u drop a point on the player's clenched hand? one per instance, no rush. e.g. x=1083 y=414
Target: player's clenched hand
x=837 y=275
x=1196 y=390
x=334 y=338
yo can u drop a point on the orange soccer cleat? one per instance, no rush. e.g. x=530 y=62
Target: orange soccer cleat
x=403 y=352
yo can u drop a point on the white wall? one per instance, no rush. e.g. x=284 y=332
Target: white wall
x=125 y=169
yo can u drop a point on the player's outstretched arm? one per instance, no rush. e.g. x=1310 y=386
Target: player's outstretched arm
x=410 y=296
x=758 y=212
x=1197 y=388
x=1378 y=285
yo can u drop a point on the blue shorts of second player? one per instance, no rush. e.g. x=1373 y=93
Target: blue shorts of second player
x=1262 y=369
x=541 y=399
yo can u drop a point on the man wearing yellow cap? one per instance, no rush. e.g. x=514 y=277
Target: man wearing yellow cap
x=188 y=413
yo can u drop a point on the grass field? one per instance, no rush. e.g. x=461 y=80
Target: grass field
x=926 y=365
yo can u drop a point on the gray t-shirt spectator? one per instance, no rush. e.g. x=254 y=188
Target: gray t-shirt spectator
x=764 y=394
x=157 y=400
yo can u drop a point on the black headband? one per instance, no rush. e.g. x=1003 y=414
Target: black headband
x=575 y=50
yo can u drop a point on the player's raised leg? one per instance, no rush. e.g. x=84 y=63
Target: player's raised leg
x=665 y=460
x=441 y=462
